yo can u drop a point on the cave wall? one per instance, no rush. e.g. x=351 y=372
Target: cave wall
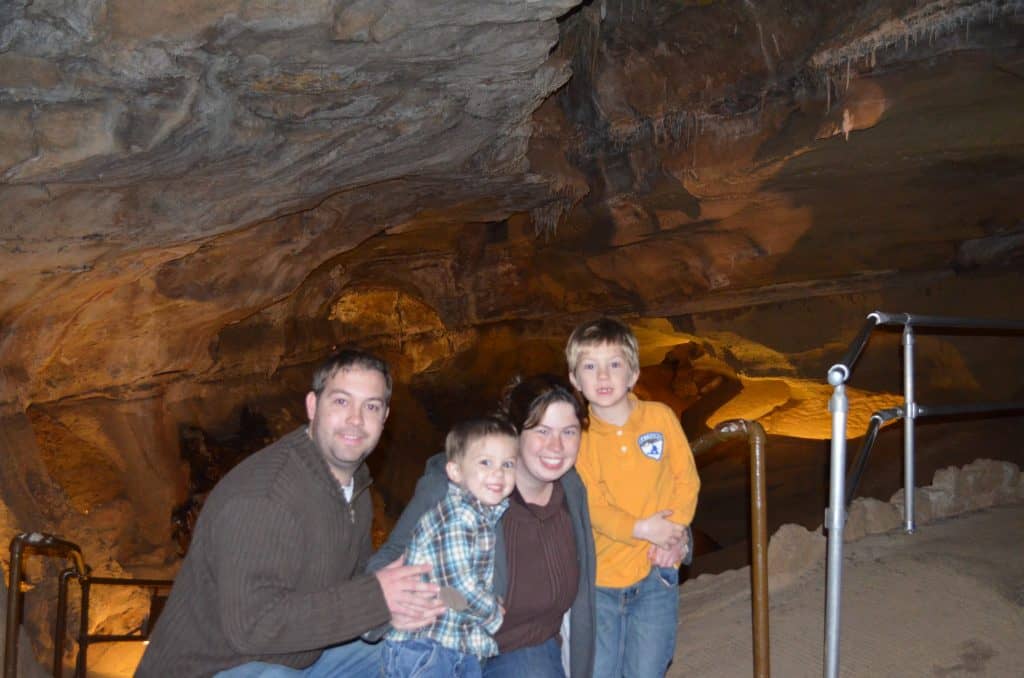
x=201 y=200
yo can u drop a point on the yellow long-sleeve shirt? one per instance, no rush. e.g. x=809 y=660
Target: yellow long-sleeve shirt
x=631 y=472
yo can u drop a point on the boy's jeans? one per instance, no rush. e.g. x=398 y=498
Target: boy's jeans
x=356 y=658
x=636 y=626
x=427 y=659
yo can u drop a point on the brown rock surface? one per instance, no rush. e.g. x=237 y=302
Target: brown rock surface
x=200 y=199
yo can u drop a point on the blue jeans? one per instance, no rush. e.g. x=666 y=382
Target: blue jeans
x=356 y=659
x=536 y=661
x=636 y=626
x=422 y=658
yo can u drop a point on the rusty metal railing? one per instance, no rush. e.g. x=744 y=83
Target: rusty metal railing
x=86 y=639
x=43 y=543
x=754 y=432
x=51 y=545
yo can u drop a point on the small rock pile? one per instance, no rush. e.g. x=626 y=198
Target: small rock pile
x=980 y=484
x=793 y=549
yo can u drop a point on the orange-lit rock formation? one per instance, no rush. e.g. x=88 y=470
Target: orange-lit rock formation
x=200 y=199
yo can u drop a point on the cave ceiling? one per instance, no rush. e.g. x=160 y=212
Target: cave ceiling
x=200 y=197
x=190 y=188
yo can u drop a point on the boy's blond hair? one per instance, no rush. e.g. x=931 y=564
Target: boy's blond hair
x=603 y=331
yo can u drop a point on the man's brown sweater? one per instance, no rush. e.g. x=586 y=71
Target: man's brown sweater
x=275 y=569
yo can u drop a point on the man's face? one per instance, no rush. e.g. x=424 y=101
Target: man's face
x=346 y=421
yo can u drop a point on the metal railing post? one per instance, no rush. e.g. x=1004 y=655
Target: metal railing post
x=60 y=626
x=910 y=413
x=878 y=419
x=754 y=432
x=13 y=610
x=83 y=630
x=40 y=542
x=838 y=374
x=759 y=551
x=835 y=517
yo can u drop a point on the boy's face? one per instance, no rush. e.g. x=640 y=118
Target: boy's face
x=603 y=375
x=488 y=469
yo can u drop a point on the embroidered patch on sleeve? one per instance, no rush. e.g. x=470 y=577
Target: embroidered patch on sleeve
x=652 y=445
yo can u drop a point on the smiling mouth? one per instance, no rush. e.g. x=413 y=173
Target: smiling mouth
x=551 y=462
x=351 y=437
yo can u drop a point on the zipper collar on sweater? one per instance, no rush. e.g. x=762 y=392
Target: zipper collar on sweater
x=315 y=462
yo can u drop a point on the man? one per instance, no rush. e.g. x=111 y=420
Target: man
x=274 y=575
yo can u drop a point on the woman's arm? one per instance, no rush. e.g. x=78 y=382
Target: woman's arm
x=431 y=488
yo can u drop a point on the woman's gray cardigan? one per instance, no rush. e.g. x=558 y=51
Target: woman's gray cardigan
x=431 y=489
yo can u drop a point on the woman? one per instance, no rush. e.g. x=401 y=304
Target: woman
x=544 y=558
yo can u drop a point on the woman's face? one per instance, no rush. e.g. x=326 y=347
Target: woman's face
x=549 y=449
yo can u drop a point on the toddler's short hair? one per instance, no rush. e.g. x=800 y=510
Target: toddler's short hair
x=603 y=331
x=467 y=432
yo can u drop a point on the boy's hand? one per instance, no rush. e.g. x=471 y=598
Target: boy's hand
x=670 y=557
x=659 y=530
x=413 y=603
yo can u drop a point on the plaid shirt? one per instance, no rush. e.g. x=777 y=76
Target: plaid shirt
x=457 y=538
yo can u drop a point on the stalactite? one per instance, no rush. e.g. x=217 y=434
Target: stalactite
x=937 y=19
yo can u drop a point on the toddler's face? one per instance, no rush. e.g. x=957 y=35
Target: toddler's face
x=488 y=469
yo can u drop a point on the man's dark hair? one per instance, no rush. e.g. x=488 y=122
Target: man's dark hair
x=467 y=432
x=347 y=359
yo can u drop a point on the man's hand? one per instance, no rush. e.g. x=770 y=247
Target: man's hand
x=413 y=603
x=659 y=530
x=670 y=557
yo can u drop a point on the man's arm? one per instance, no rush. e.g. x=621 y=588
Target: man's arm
x=430 y=489
x=256 y=558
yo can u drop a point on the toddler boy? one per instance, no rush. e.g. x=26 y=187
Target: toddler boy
x=642 y=489
x=457 y=539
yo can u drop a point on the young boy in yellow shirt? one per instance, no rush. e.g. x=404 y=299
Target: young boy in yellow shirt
x=642 y=489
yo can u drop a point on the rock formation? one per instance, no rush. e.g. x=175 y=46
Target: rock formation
x=201 y=198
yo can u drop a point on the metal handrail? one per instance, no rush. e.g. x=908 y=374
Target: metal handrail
x=754 y=432
x=881 y=417
x=839 y=494
x=85 y=639
x=36 y=541
x=857 y=470
x=47 y=543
